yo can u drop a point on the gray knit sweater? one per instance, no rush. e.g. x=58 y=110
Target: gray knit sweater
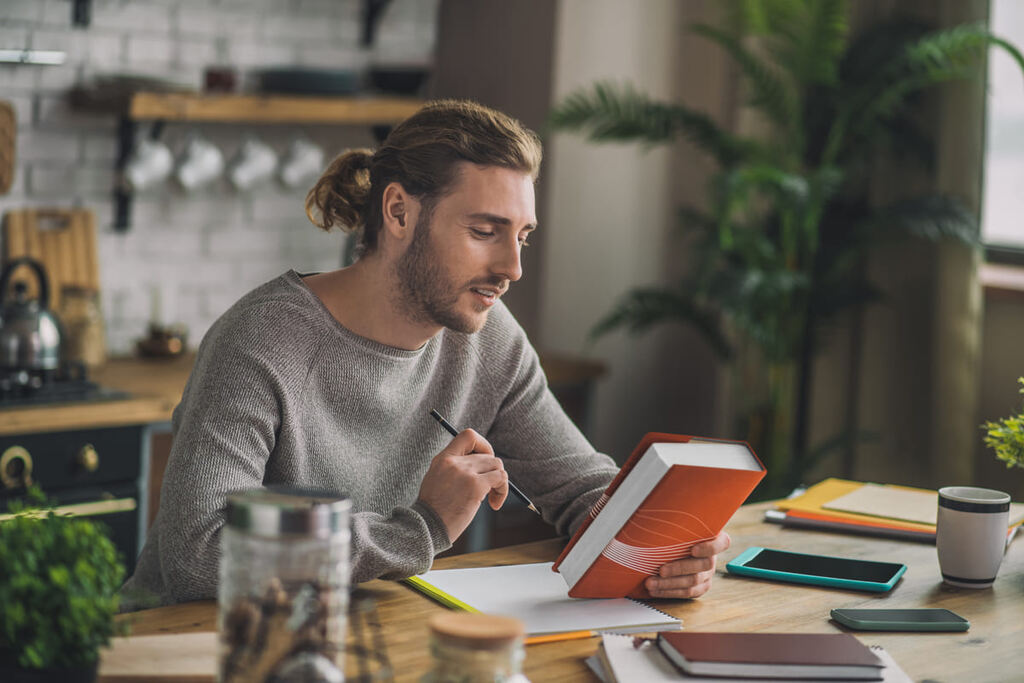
x=282 y=393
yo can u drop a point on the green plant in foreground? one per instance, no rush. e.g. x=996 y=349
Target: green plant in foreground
x=1006 y=436
x=59 y=577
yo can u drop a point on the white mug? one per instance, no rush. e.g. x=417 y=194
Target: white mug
x=971 y=534
x=200 y=163
x=301 y=162
x=254 y=163
x=150 y=163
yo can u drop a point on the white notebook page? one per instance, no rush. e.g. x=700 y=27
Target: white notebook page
x=538 y=596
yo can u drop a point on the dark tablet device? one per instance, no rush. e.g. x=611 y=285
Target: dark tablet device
x=820 y=570
x=921 y=619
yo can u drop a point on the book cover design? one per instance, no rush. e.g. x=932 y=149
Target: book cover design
x=772 y=655
x=688 y=505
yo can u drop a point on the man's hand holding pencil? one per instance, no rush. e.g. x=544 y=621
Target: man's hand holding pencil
x=459 y=477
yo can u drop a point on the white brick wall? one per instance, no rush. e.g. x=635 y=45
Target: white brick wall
x=198 y=252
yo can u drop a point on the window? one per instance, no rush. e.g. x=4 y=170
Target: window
x=1002 y=212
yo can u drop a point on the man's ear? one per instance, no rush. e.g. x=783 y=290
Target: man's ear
x=397 y=207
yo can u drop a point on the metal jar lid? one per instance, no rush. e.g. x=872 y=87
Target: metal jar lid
x=288 y=511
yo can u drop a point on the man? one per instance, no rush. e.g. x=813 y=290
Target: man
x=327 y=380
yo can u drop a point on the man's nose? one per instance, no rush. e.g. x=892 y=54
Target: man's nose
x=510 y=265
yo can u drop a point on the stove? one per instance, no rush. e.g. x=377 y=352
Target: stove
x=68 y=385
x=101 y=472
x=56 y=392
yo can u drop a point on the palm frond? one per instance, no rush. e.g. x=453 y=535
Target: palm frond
x=782 y=17
x=758 y=301
x=641 y=309
x=739 y=184
x=951 y=54
x=808 y=38
x=931 y=217
x=607 y=112
x=824 y=42
x=957 y=49
x=770 y=92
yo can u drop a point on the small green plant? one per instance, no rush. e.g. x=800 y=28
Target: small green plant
x=59 y=577
x=1006 y=436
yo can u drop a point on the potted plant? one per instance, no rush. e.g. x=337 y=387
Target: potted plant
x=1006 y=436
x=59 y=577
x=778 y=252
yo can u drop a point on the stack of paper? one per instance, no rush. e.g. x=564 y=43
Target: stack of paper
x=623 y=659
x=873 y=509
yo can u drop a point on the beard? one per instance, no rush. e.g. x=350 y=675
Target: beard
x=427 y=293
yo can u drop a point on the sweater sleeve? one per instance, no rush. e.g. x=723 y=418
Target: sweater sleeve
x=394 y=547
x=544 y=452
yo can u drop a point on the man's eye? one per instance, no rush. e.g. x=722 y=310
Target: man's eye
x=482 y=234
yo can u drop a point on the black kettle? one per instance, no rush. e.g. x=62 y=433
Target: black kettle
x=29 y=333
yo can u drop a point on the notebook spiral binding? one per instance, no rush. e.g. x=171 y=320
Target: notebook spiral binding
x=633 y=631
x=664 y=614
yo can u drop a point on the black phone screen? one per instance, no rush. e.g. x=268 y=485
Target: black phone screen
x=820 y=565
x=917 y=616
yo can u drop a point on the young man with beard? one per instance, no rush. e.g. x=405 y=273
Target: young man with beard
x=327 y=380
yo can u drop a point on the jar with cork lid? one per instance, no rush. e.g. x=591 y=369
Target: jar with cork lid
x=475 y=648
x=283 y=591
x=83 y=340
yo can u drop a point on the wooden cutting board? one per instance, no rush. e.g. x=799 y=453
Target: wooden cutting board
x=8 y=140
x=63 y=240
x=190 y=657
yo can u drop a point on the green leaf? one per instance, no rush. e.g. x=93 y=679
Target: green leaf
x=641 y=309
x=771 y=90
x=1006 y=436
x=607 y=113
x=931 y=217
x=59 y=577
x=953 y=54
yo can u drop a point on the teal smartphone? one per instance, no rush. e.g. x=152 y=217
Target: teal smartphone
x=920 y=619
x=818 y=570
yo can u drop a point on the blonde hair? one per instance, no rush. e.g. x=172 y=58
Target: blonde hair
x=421 y=154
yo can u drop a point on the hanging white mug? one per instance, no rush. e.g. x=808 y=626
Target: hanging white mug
x=200 y=164
x=302 y=162
x=150 y=163
x=254 y=163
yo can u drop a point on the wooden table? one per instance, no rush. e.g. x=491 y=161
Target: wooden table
x=989 y=651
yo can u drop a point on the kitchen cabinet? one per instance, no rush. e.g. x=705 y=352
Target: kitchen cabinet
x=94 y=457
x=99 y=473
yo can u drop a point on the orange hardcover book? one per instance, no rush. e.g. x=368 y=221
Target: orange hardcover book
x=673 y=492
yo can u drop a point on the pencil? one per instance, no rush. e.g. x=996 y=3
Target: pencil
x=556 y=637
x=511 y=487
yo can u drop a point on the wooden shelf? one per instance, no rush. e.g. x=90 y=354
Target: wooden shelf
x=1002 y=281
x=350 y=110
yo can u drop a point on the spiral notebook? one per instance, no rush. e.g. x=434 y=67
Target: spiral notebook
x=538 y=596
